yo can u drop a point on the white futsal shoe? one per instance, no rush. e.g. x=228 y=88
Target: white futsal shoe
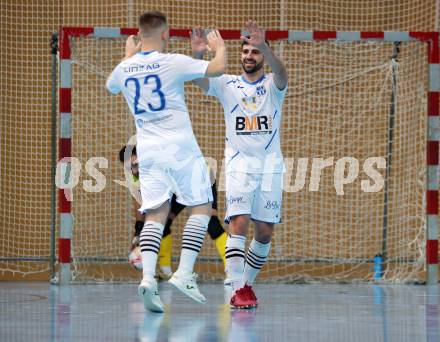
x=186 y=283
x=149 y=294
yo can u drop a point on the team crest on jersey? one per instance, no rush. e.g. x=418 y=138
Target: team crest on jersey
x=254 y=125
x=261 y=90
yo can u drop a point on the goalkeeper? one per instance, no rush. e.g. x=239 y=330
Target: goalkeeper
x=215 y=229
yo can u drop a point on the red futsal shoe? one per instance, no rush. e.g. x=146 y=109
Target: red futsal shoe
x=244 y=298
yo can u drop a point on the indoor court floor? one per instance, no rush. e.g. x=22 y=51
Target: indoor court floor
x=355 y=313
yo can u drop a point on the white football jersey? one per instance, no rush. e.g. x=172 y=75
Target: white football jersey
x=153 y=86
x=253 y=116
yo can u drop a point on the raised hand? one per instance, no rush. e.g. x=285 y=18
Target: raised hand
x=131 y=47
x=198 y=41
x=215 y=41
x=256 y=34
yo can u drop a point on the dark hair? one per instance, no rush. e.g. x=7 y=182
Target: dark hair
x=122 y=152
x=243 y=42
x=151 y=20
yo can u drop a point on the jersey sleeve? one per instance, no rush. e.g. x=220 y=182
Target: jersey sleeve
x=215 y=86
x=189 y=68
x=113 y=80
x=279 y=93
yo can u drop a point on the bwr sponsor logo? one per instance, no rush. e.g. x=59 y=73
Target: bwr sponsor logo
x=257 y=124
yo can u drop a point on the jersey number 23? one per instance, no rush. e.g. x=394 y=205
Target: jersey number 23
x=156 y=92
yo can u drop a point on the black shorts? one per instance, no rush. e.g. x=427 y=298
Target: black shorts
x=176 y=207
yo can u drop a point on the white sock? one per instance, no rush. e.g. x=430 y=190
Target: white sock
x=235 y=258
x=150 y=238
x=255 y=259
x=192 y=240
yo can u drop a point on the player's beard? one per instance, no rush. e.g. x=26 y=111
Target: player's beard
x=254 y=69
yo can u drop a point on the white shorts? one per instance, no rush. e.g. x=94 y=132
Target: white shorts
x=187 y=179
x=255 y=194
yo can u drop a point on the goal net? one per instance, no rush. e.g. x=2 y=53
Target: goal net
x=352 y=107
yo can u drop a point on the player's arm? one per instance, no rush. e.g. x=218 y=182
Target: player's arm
x=256 y=39
x=190 y=69
x=112 y=83
x=217 y=65
x=198 y=47
x=131 y=48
